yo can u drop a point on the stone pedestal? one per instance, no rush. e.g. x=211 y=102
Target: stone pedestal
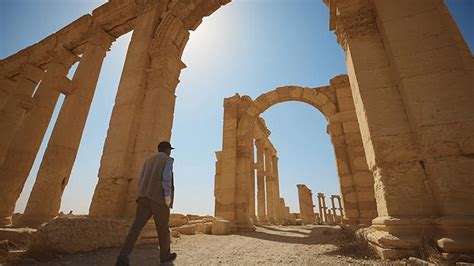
x=60 y=154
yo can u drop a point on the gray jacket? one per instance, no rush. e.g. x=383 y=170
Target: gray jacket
x=156 y=179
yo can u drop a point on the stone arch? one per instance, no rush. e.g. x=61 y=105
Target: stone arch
x=312 y=96
x=335 y=102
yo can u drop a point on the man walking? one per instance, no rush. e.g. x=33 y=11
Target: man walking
x=155 y=198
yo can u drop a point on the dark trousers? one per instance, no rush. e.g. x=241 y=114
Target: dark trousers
x=161 y=214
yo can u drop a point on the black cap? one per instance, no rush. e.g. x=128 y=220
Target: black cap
x=164 y=145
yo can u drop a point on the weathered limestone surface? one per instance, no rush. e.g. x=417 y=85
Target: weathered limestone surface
x=177 y=220
x=189 y=229
x=205 y=228
x=18 y=236
x=221 y=227
x=305 y=198
x=65 y=236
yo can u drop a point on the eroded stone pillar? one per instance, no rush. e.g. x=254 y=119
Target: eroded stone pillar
x=322 y=208
x=262 y=215
x=110 y=194
x=305 y=198
x=156 y=120
x=19 y=100
x=60 y=154
x=404 y=193
x=270 y=186
x=278 y=211
x=24 y=147
x=224 y=191
x=251 y=188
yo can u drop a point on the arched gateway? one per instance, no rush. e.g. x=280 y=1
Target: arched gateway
x=402 y=59
x=236 y=163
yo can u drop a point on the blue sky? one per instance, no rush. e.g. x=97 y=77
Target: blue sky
x=245 y=47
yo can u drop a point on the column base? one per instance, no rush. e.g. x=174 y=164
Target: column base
x=242 y=227
x=401 y=237
x=5 y=221
x=262 y=221
x=271 y=220
x=254 y=219
x=456 y=234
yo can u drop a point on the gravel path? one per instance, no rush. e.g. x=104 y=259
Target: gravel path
x=269 y=245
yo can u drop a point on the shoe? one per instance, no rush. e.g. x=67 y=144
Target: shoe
x=122 y=262
x=170 y=258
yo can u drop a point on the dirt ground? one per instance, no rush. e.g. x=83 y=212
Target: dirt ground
x=268 y=245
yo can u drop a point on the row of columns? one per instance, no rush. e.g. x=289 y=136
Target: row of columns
x=270 y=206
x=25 y=129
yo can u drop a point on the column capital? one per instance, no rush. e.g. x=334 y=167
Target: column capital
x=31 y=72
x=359 y=23
x=144 y=6
x=99 y=37
x=63 y=56
x=260 y=143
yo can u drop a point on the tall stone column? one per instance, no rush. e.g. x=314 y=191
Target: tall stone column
x=110 y=194
x=251 y=188
x=278 y=211
x=322 y=208
x=407 y=118
x=306 y=204
x=157 y=113
x=17 y=103
x=60 y=154
x=24 y=147
x=224 y=191
x=262 y=214
x=270 y=186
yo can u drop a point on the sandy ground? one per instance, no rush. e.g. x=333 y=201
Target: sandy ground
x=269 y=245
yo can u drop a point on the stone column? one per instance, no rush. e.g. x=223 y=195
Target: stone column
x=270 y=186
x=251 y=189
x=24 y=147
x=276 y=177
x=262 y=215
x=224 y=191
x=60 y=154
x=110 y=194
x=322 y=208
x=281 y=210
x=156 y=119
x=306 y=204
x=17 y=103
x=407 y=118
x=333 y=208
